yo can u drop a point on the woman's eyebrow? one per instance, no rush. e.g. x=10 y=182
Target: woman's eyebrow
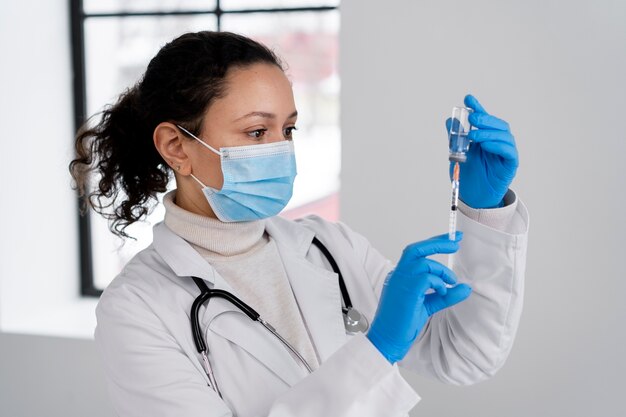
x=265 y=115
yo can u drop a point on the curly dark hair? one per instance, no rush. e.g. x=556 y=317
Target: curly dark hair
x=179 y=85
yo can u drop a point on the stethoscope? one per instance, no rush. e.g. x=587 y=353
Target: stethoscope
x=353 y=320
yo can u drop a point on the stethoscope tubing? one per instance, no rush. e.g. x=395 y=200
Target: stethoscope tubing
x=286 y=343
x=207 y=293
x=342 y=285
x=204 y=297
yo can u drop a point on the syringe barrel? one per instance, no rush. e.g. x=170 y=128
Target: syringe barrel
x=454 y=204
x=459 y=142
x=452 y=225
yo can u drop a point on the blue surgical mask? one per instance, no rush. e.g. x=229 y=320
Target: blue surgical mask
x=258 y=180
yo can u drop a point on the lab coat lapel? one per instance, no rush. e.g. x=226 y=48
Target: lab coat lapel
x=252 y=337
x=222 y=317
x=316 y=288
x=226 y=320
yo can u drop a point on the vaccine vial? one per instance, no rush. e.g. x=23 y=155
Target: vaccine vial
x=459 y=129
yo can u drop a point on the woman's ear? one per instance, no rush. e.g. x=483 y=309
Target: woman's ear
x=168 y=140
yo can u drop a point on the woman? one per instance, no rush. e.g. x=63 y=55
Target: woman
x=216 y=110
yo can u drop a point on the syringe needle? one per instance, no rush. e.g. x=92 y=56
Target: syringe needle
x=455 y=202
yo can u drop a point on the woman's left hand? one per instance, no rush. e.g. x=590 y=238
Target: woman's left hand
x=492 y=159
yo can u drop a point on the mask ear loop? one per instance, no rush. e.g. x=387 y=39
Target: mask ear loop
x=206 y=145
x=198 y=181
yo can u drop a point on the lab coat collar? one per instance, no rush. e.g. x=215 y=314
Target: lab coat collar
x=316 y=290
x=179 y=255
x=290 y=238
x=235 y=326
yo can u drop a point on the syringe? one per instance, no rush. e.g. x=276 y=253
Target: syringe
x=455 y=202
x=458 y=145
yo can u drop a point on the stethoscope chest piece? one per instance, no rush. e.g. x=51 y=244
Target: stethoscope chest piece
x=354 y=321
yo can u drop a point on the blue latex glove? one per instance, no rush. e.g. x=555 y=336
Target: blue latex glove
x=492 y=159
x=404 y=306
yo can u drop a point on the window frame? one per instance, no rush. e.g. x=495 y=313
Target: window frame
x=77 y=19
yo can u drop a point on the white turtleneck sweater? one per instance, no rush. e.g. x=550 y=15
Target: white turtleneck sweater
x=248 y=260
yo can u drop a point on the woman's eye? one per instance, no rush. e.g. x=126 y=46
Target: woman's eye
x=289 y=131
x=257 y=133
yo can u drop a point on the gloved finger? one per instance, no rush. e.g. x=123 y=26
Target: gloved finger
x=452 y=123
x=436 y=302
x=440 y=270
x=436 y=244
x=425 y=282
x=484 y=135
x=457 y=237
x=471 y=102
x=487 y=121
x=430 y=266
x=504 y=150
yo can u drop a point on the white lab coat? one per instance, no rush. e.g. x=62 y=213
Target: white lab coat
x=153 y=369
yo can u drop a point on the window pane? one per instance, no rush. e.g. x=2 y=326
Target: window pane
x=308 y=44
x=274 y=4
x=118 y=50
x=110 y=253
x=119 y=6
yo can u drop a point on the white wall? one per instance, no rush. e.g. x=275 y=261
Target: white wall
x=556 y=71
x=41 y=375
x=39 y=268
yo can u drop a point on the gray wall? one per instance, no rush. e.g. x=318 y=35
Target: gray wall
x=50 y=376
x=556 y=71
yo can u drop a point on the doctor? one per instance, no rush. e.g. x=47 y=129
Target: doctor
x=216 y=110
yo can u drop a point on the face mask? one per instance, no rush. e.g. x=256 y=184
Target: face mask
x=258 y=180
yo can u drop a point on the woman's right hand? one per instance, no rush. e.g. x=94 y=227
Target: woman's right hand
x=405 y=306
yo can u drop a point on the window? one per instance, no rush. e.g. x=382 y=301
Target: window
x=113 y=41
